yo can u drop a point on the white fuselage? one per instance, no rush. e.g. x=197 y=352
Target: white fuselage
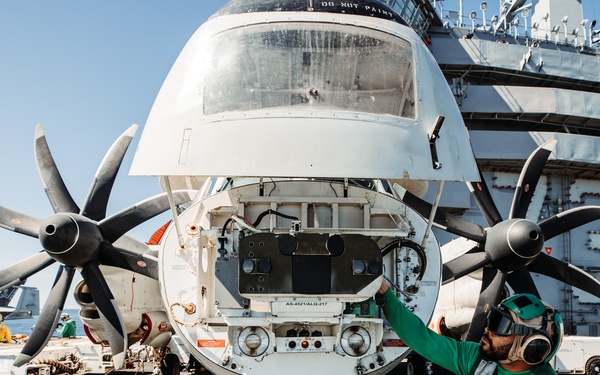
x=308 y=114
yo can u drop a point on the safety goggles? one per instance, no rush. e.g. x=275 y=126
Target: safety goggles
x=500 y=322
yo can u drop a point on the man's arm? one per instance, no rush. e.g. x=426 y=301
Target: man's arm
x=62 y=330
x=453 y=355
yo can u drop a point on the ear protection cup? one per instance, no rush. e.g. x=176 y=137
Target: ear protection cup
x=557 y=336
x=535 y=348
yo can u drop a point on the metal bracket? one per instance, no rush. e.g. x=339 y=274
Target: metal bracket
x=433 y=137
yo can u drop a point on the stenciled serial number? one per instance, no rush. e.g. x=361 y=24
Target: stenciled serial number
x=306 y=303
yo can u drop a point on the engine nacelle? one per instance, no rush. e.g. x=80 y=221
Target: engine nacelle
x=158 y=329
x=139 y=304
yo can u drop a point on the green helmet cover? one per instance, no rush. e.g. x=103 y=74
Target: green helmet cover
x=528 y=306
x=525 y=306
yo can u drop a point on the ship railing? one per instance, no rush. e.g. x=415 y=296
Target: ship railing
x=584 y=36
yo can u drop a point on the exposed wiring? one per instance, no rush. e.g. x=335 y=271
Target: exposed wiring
x=272 y=212
x=188 y=308
x=132 y=292
x=332 y=188
x=245 y=223
x=225 y=226
x=274 y=187
x=398 y=244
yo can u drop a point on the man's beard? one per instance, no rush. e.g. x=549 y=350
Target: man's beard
x=494 y=353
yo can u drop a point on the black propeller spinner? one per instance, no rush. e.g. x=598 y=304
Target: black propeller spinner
x=510 y=249
x=82 y=239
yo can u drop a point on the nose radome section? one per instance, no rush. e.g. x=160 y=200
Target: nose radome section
x=525 y=238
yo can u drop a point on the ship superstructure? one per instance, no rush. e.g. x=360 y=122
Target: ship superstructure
x=523 y=73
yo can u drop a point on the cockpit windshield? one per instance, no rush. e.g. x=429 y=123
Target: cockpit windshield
x=325 y=66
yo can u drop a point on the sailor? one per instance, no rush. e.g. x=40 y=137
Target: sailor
x=523 y=333
x=5 y=336
x=68 y=326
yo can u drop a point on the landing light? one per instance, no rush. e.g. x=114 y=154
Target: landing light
x=253 y=341
x=248 y=265
x=355 y=341
x=358 y=267
x=365 y=267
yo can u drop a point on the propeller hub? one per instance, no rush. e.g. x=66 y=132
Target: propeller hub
x=71 y=239
x=513 y=244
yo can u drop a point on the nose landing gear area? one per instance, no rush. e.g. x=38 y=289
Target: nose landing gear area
x=295 y=288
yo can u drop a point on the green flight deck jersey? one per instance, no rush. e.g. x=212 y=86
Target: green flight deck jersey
x=460 y=357
x=68 y=329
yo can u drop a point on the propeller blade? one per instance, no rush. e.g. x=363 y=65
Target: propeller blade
x=532 y=170
x=522 y=282
x=545 y=264
x=120 y=223
x=143 y=264
x=483 y=198
x=109 y=312
x=57 y=192
x=97 y=198
x=443 y=219
x=463 y=265
x=491 y=289
x=19 y=272
x=567 y=220
x=20 y=223
x=44 y=326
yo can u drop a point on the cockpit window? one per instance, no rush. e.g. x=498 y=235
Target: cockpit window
x=321 y=66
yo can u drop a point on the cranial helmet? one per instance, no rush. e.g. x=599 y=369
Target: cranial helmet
x=537 y=327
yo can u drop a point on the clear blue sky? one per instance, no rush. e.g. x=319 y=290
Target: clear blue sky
x=87 y=70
